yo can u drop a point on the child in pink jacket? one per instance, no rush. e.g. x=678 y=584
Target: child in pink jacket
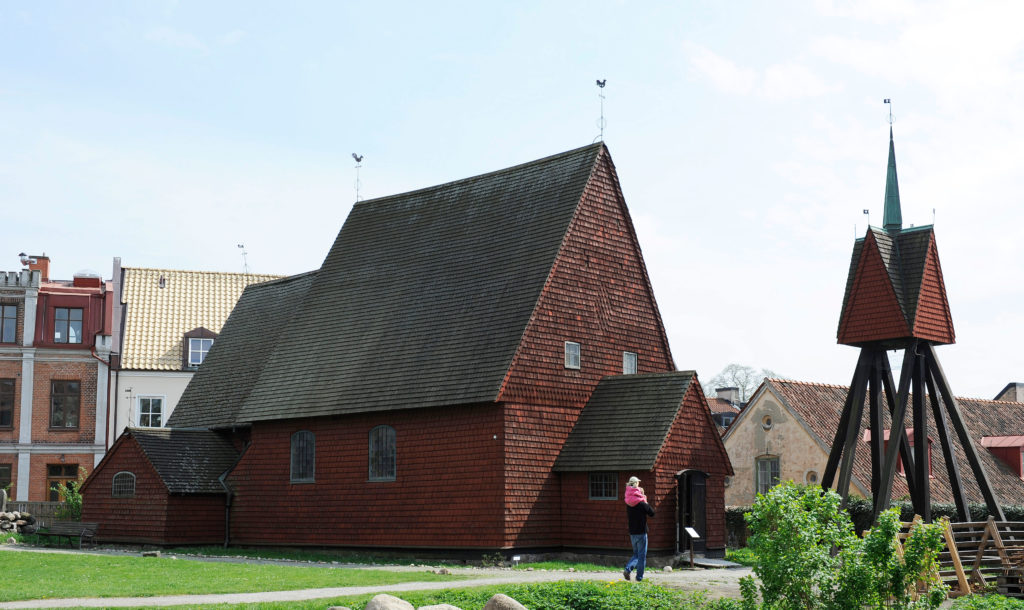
x=634 y=493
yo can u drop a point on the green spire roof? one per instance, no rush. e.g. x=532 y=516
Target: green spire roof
x=892 y=218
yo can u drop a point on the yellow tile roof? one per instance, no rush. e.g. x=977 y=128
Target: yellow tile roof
x=156 y=319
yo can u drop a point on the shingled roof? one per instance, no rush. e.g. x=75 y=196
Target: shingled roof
x=217 y=390
x=819 y=406
x=188 y=461
x=424 y=297
x=625 y=422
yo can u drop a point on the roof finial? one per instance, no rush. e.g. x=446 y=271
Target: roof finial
x=601 y=122
x=892 y=217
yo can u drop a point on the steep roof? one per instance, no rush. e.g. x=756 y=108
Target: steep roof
x=625 y=422
x=158 y=313
x=820 y=405
x=238 y=357
x=721 y=405
x=188 y=461
x=424 y=297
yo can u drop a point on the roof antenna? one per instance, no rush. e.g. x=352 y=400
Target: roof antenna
x=601 y=122
x=245 y=261
x=359 y=163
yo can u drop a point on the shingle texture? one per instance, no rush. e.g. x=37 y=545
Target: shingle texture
x=424 y=297
x=820 y=405
x=625 y=422
x=237 y=358
x=895 y=290
x=157 y=318
x=188 y=461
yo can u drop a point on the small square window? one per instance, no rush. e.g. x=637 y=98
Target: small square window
x=604 y=486
x=151 y=411
x=629 y=363
x=197 y=350
x=572 y=355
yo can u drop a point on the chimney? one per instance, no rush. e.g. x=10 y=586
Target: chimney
x=730 y=394
x=40 y=263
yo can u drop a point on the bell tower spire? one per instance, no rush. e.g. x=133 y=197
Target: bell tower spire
x=892 y=217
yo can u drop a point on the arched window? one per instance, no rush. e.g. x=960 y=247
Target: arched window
x=123 y=485
x=303 y=456
x=382 y=454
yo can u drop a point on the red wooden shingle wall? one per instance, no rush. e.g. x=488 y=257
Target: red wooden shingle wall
x=934 y=321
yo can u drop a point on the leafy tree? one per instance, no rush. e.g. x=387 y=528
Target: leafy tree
x=746 y=378
x=808 y=556
x=71 y=508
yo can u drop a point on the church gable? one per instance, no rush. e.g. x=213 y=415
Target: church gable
x=598 y=296
x=872 y=311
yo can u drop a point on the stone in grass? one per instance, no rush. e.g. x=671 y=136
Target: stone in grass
x=388 y=602
x=667 y=569
x=150 y=553
x=440 y=607
x=503 y=602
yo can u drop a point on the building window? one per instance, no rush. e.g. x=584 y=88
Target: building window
x=628 y=363
x=123 y=485
x=572 y=355
x=8 y=323
x=604 y=486
x=767 y=474
x=303 y=457
x=64 y=399
x=59 y=478
x=382 y=454
x=197 y=350
x=151 y=411
x=67 y=325
x=6 y=403
x=5 y=479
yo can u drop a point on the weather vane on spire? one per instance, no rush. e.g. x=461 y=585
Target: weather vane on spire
x=359 y=164
x=601 y=122
x=889 y=102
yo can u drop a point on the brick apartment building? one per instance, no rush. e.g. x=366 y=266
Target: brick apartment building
x=54 y=378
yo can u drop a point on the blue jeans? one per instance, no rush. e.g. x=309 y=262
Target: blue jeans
x=639 y=558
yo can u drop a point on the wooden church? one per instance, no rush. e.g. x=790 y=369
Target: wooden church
x=479 y=365
x=896 y=300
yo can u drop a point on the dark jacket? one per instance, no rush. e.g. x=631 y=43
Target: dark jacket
x=638 y=517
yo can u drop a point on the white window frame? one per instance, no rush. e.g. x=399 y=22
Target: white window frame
x=119 y=489
x=138 y=410
x=572 y=355
x=629 y=360
x=192 y=351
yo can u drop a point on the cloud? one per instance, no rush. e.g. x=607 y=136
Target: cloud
x=173 y=38
x=778 y=82
x=231 y=38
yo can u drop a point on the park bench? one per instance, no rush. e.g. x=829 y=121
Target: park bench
x=70 y=529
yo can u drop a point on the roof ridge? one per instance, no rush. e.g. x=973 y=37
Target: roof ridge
x=451 y=183
x=199 y=271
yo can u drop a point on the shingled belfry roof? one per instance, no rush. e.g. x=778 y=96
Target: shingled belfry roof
x=422 y=300
x=625 y=422
x=894 y=287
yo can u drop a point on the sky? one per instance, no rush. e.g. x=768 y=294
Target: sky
x=748 y=137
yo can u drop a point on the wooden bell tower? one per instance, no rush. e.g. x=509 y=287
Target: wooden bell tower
x=896 y=300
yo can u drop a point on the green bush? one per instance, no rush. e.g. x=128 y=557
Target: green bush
x=988 y=602
x=71 y=508
x=807 y=555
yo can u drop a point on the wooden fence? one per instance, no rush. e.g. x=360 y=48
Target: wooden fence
x=44 y=512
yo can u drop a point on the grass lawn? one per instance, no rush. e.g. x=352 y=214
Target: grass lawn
x=567 y=595
x=29 y=575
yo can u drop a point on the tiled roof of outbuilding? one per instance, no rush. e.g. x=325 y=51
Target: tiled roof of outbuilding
x=625 y=422
x=188 y=461
x=424 y=297
x=156 y=318
x=236 y=360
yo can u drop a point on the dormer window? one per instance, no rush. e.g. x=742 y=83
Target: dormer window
x=67 y=325
x=197 y=344
x=572 y=355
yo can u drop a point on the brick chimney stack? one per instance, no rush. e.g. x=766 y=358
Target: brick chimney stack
x=41 y=264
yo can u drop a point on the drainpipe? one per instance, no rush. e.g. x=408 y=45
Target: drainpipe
x=230 y=495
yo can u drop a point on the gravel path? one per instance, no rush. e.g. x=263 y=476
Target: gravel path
x=722 y=582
